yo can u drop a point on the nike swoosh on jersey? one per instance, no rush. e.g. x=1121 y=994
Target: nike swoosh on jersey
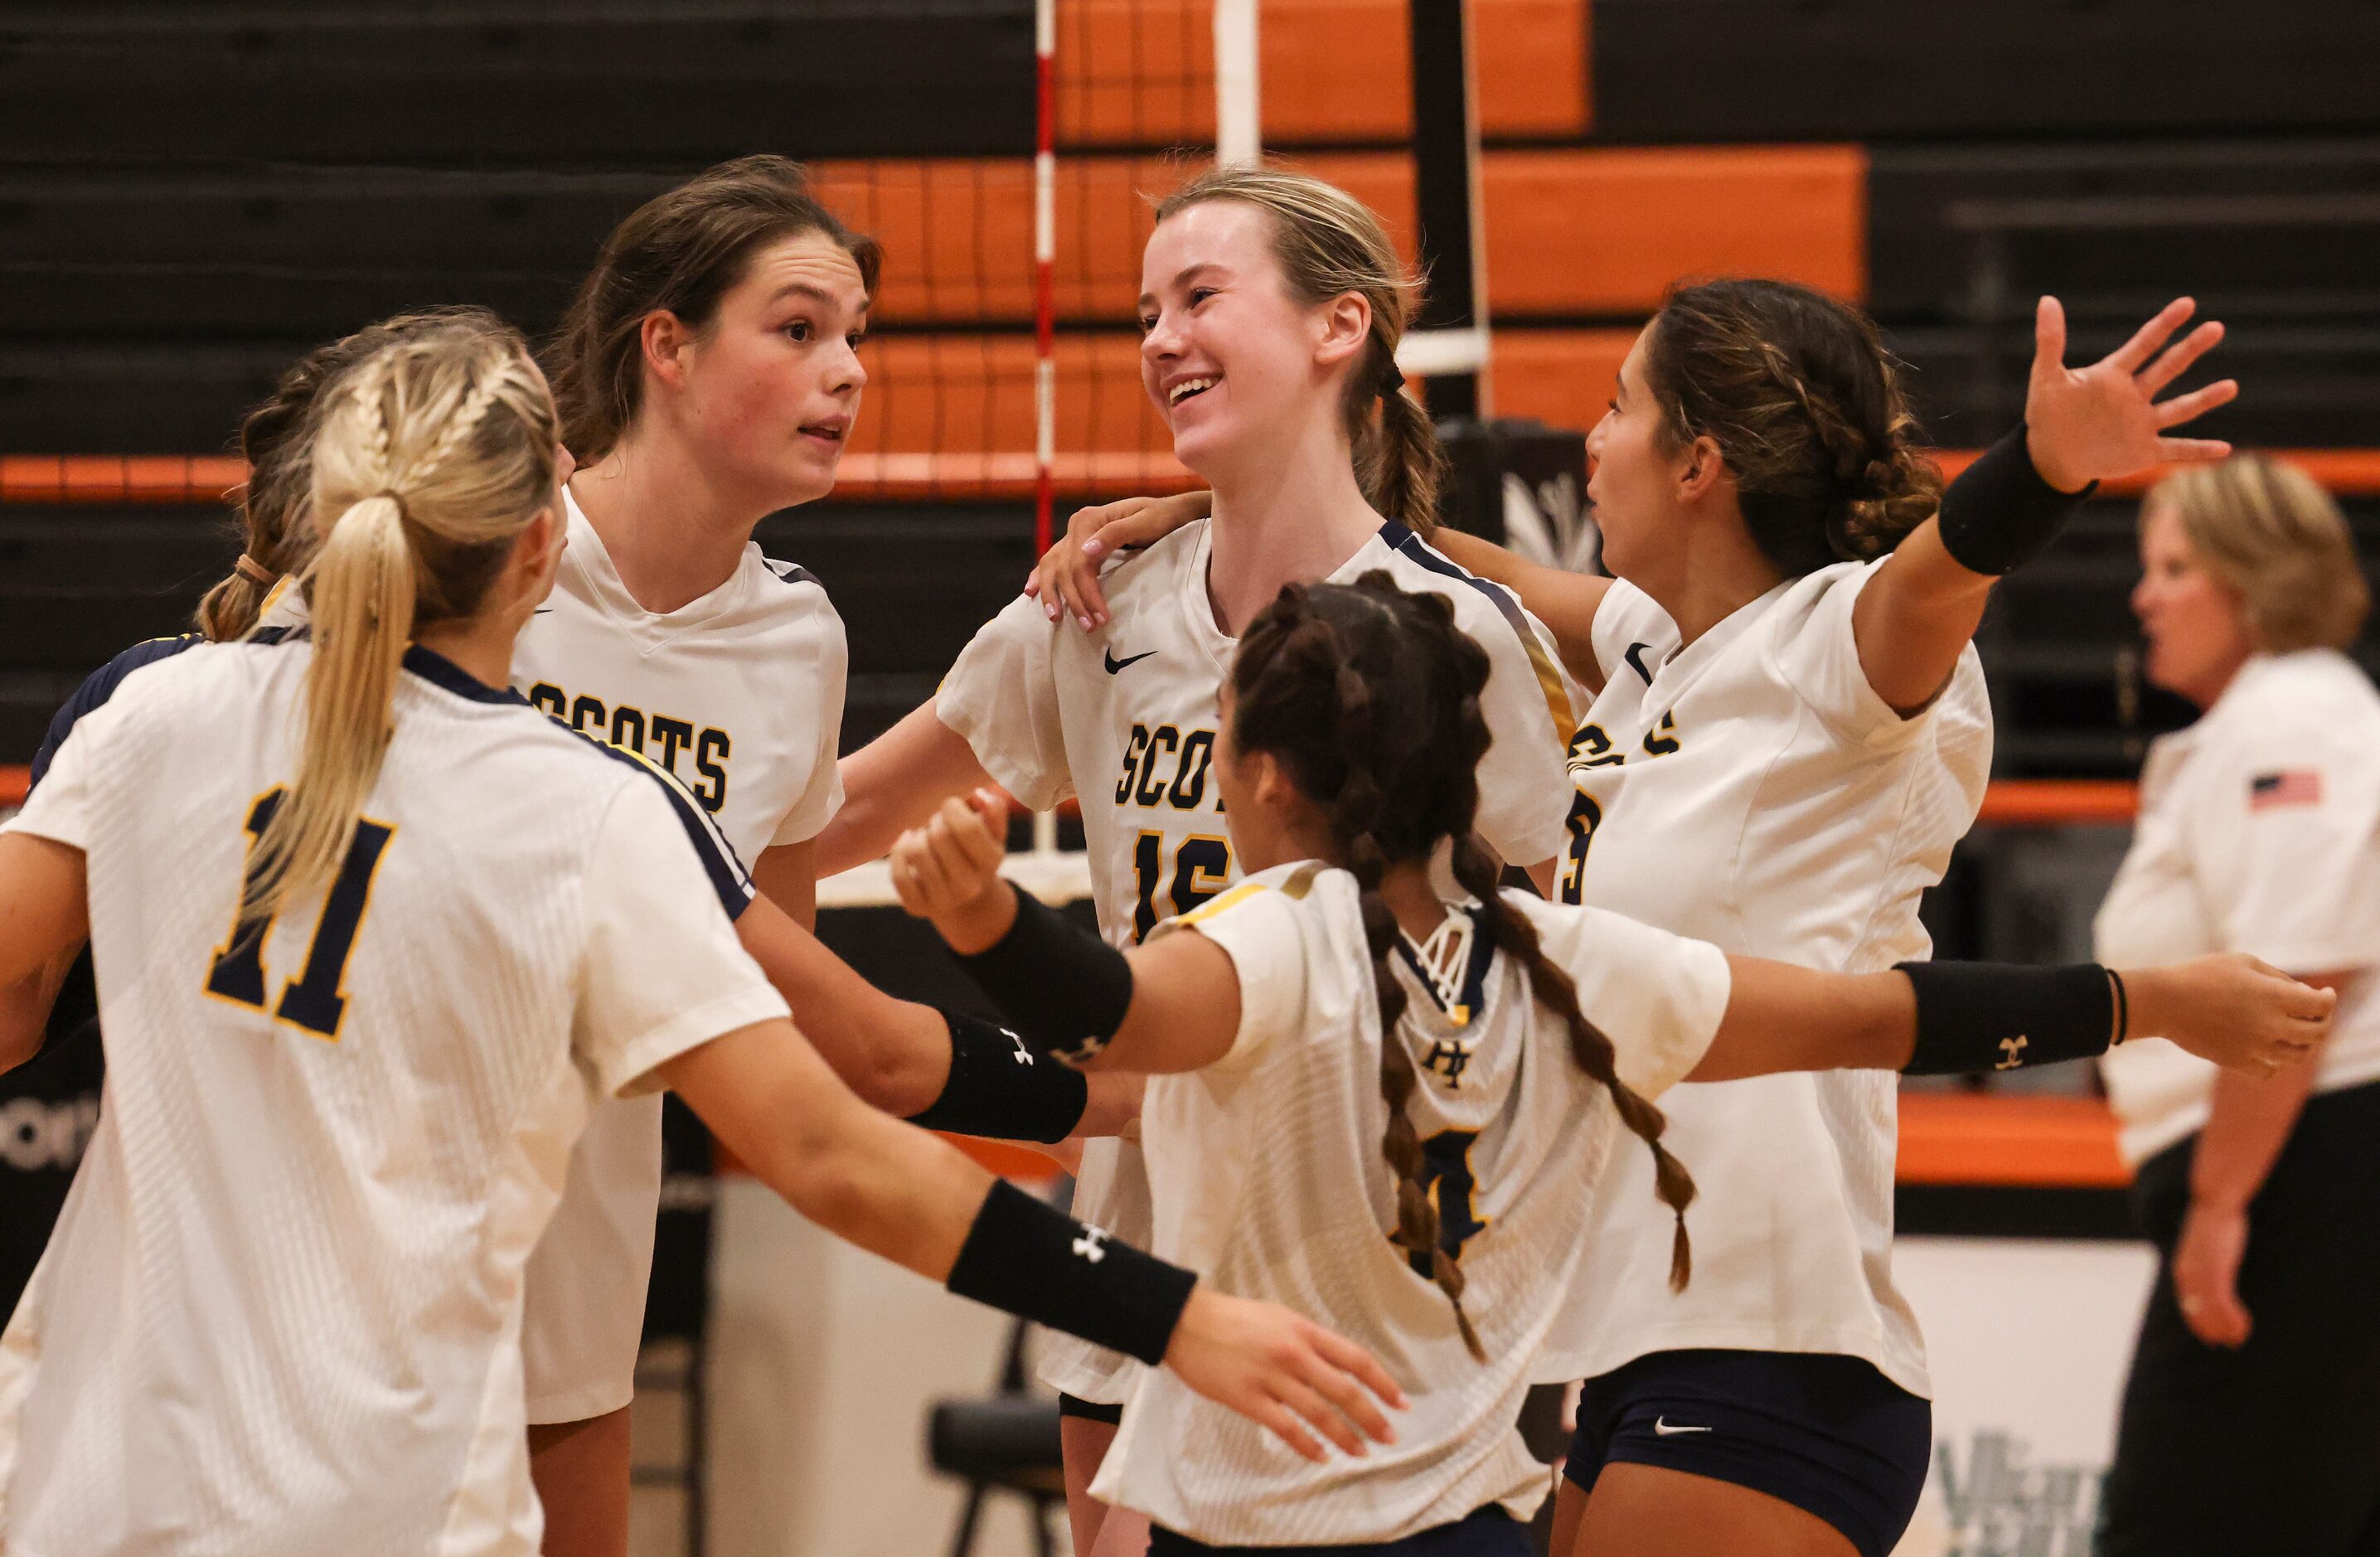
x=1636 y=661
x=1665 y=1429
x=1115 y=664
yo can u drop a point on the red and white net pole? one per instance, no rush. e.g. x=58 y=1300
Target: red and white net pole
x=1045 y=278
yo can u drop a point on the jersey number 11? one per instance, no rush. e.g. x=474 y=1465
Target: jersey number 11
x=316 y=999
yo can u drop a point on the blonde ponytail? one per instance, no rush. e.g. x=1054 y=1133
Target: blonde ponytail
x=430 y=458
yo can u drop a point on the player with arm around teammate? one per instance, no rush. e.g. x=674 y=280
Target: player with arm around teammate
x=1271 y=310
x=1335 y=1010
x=373 y=937
x=1790 y=735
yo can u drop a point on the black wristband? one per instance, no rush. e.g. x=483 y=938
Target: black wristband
x=1994 y=1016
x=999 y=1089
x=1999 y=513
x=1062 y=987
x=1041 y=1264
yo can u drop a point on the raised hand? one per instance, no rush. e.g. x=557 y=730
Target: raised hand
x=948 y=871
x=2099 y=423
x=2242 y=1013
x=1284 y=1371
x=1066 y=580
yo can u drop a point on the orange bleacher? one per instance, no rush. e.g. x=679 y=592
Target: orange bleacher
x=1139 y=72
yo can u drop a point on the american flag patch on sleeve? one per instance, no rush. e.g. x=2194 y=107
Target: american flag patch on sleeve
x=2291 y=786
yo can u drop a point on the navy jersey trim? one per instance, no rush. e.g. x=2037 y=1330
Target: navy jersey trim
x=448 y=676
x=793 y=572
x=720 y=861
x=1403 y=541
x=99 y=686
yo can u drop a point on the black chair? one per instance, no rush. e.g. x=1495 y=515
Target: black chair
x=1004 y=1442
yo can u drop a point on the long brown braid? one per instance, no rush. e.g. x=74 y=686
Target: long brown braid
x=1369 y=698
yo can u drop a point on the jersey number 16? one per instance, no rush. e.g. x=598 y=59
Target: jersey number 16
x=316 y=999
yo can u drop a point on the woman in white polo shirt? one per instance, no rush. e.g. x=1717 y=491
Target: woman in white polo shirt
x=2251 y=1419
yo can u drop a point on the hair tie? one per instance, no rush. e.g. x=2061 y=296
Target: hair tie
x=255 y=572
x=1393 y=379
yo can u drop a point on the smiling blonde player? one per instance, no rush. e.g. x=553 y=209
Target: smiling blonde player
x=1272 y=307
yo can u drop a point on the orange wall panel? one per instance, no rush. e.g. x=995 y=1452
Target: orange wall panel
x=1141 y=72
x=1604 y=231
x=1564 y=378
x=1568 y=232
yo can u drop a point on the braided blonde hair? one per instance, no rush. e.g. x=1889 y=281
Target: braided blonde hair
x=429 y=458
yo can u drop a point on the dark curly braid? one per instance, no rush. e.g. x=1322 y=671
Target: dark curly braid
x=1317 y=676
x=1806 y=407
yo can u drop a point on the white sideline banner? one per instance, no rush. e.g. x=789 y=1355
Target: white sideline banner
x=2028 y=1341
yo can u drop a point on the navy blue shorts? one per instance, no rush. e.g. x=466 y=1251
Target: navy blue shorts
x=1089 y=1410
x=1487 y=1532
x=1828 y=1434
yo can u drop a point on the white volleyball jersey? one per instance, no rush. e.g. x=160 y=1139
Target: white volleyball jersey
x=2259 y=832
x=281 y=1312
x=1269 y=1180
x=739 y=694
x=1754 y=791
x=1123 y=719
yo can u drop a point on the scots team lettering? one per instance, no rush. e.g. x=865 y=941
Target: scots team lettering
x=1591 y=748
x=1166 y=767
x=656 y=735
x=1662 y=741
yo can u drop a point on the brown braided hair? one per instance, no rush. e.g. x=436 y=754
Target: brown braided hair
x=276 y=438
x=1369 y=698
x=1805 y=405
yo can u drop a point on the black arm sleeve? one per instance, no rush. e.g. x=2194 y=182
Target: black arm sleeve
x=999 y=1089
x=1042 y=1265
x=1999 y=513
x=1060 y=987
x=1988 y=1016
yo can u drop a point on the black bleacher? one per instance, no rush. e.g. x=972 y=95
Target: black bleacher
x=2275 y=237
x=1700 y=71
x=191 y=195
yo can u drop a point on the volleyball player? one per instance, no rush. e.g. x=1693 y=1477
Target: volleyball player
x=373 y=938
x=1337 y=1010
x=1272 y=309
x=1783 y=664
x=708 y=376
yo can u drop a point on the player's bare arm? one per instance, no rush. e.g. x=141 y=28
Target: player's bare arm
x=45 y=918
x=899 y=1193
x=1067 y=579
x=1183 y=1007
x=788 y=875
x=2081 y=426
x=900 y=1055
x=893 y=783
x=1566 y=603
x=2231 y=1009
